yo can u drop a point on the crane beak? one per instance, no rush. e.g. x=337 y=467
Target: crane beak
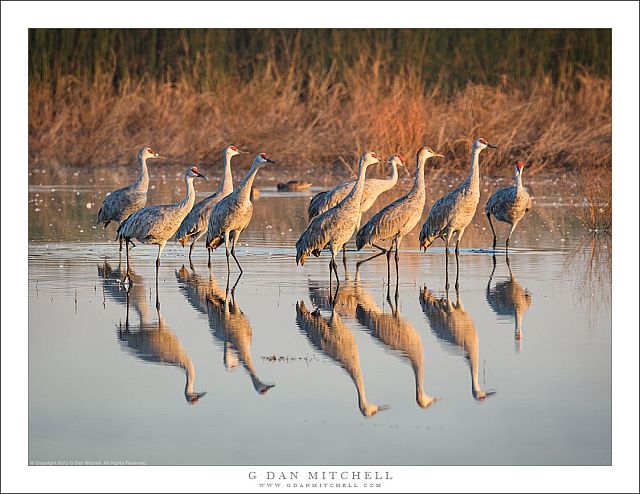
x=202 y=176
x=269 y=160
x=243 y=152
x=159 y=157
x=438 y=156
x=492 y=146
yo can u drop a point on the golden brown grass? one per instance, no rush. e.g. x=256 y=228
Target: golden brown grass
x=594 y=208
x=309 y=119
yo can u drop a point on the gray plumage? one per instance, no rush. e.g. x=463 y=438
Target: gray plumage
x=334 y=227
x=157 y=224
x=450 y=322
x=509 y=204
x=232 y=214
x=196 y=222
x=397 y=219
x=121 y=203
x=451 y=214
x=373 y=187
x=334 y=339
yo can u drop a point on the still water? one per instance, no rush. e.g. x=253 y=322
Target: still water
x=514 y=367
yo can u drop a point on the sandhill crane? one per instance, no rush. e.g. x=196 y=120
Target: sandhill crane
x=509 y=204
x=196 y=222
x=121 y=203
x=334 y=339
x=157 y=224
x=334 y=227
x=398 y=334
x=451 y=323
x=227 y=322
x=509 y=298
x=400 y=217
x=373 y=187
x=233 y=213
x=452 y=213
x=149 y=341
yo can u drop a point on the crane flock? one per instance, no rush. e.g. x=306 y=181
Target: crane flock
x=334 y=215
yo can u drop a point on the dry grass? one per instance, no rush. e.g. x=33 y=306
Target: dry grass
x=308 y=119
x=595 y=210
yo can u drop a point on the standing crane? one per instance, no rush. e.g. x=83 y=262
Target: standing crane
x=232 y=214
x=195 y=224
x=452 y=213
x=157 y=224
x=121 y=203
x=334 y=227
x=400 y=217
x=373 y=187
x=509 y=204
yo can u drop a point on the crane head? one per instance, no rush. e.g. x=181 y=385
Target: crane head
x=369 y=158
x=146 y=153
x=193 y=172
x=399 y=157
x=483 y=144
x=263 y=158
x=426 y=152
x=232 y=150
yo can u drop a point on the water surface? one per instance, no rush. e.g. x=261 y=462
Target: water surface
x=511 y=368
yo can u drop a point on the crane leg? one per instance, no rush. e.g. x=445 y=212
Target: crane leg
x=389 y=264
x=236 y=234
x=126 y=275
x=457 y=286
x=120 y=245
x=190 y=250
x=446 y=273
x=226 y=247
x=513 y=227
x=209 y=261
x=378 y=247
x=495 y=238
x=396 y=256
x=344 y=257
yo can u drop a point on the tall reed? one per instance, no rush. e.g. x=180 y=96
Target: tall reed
x=311 y=96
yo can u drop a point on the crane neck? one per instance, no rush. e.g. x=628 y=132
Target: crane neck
x=393 y=179
x=418 y=181
x=518 y=181
x=142 y=183
x=474 y=174
x=190 y=197
x=244 y=190
x=226 y=185
x=189 y=373
x=355 y=195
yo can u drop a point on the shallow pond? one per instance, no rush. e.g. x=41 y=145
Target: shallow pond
x=514 y=367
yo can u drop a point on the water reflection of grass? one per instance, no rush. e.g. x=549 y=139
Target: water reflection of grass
x=590 y=265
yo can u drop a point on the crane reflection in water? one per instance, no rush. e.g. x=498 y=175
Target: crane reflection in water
x=149 y=341
x=508 y=298
x=228 y=324
x=450 y=322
